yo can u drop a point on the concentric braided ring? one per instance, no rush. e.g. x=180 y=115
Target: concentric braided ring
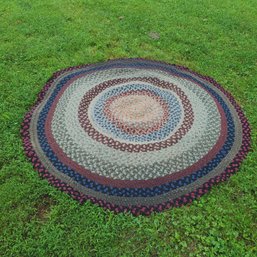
x=135 y=135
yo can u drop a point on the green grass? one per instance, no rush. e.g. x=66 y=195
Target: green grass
x=217 y=38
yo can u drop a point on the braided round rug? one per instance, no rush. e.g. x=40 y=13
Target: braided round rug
x=135 y=135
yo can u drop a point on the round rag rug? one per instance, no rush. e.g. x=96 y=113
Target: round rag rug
x=135 y=135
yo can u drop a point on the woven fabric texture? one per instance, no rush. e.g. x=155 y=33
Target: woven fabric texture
x=135 y=135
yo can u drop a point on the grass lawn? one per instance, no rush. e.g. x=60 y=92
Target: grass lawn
x=217 y=38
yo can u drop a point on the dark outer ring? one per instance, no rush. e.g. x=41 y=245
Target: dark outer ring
x=136 y=210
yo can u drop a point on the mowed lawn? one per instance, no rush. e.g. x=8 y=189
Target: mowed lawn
x=217 y=38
